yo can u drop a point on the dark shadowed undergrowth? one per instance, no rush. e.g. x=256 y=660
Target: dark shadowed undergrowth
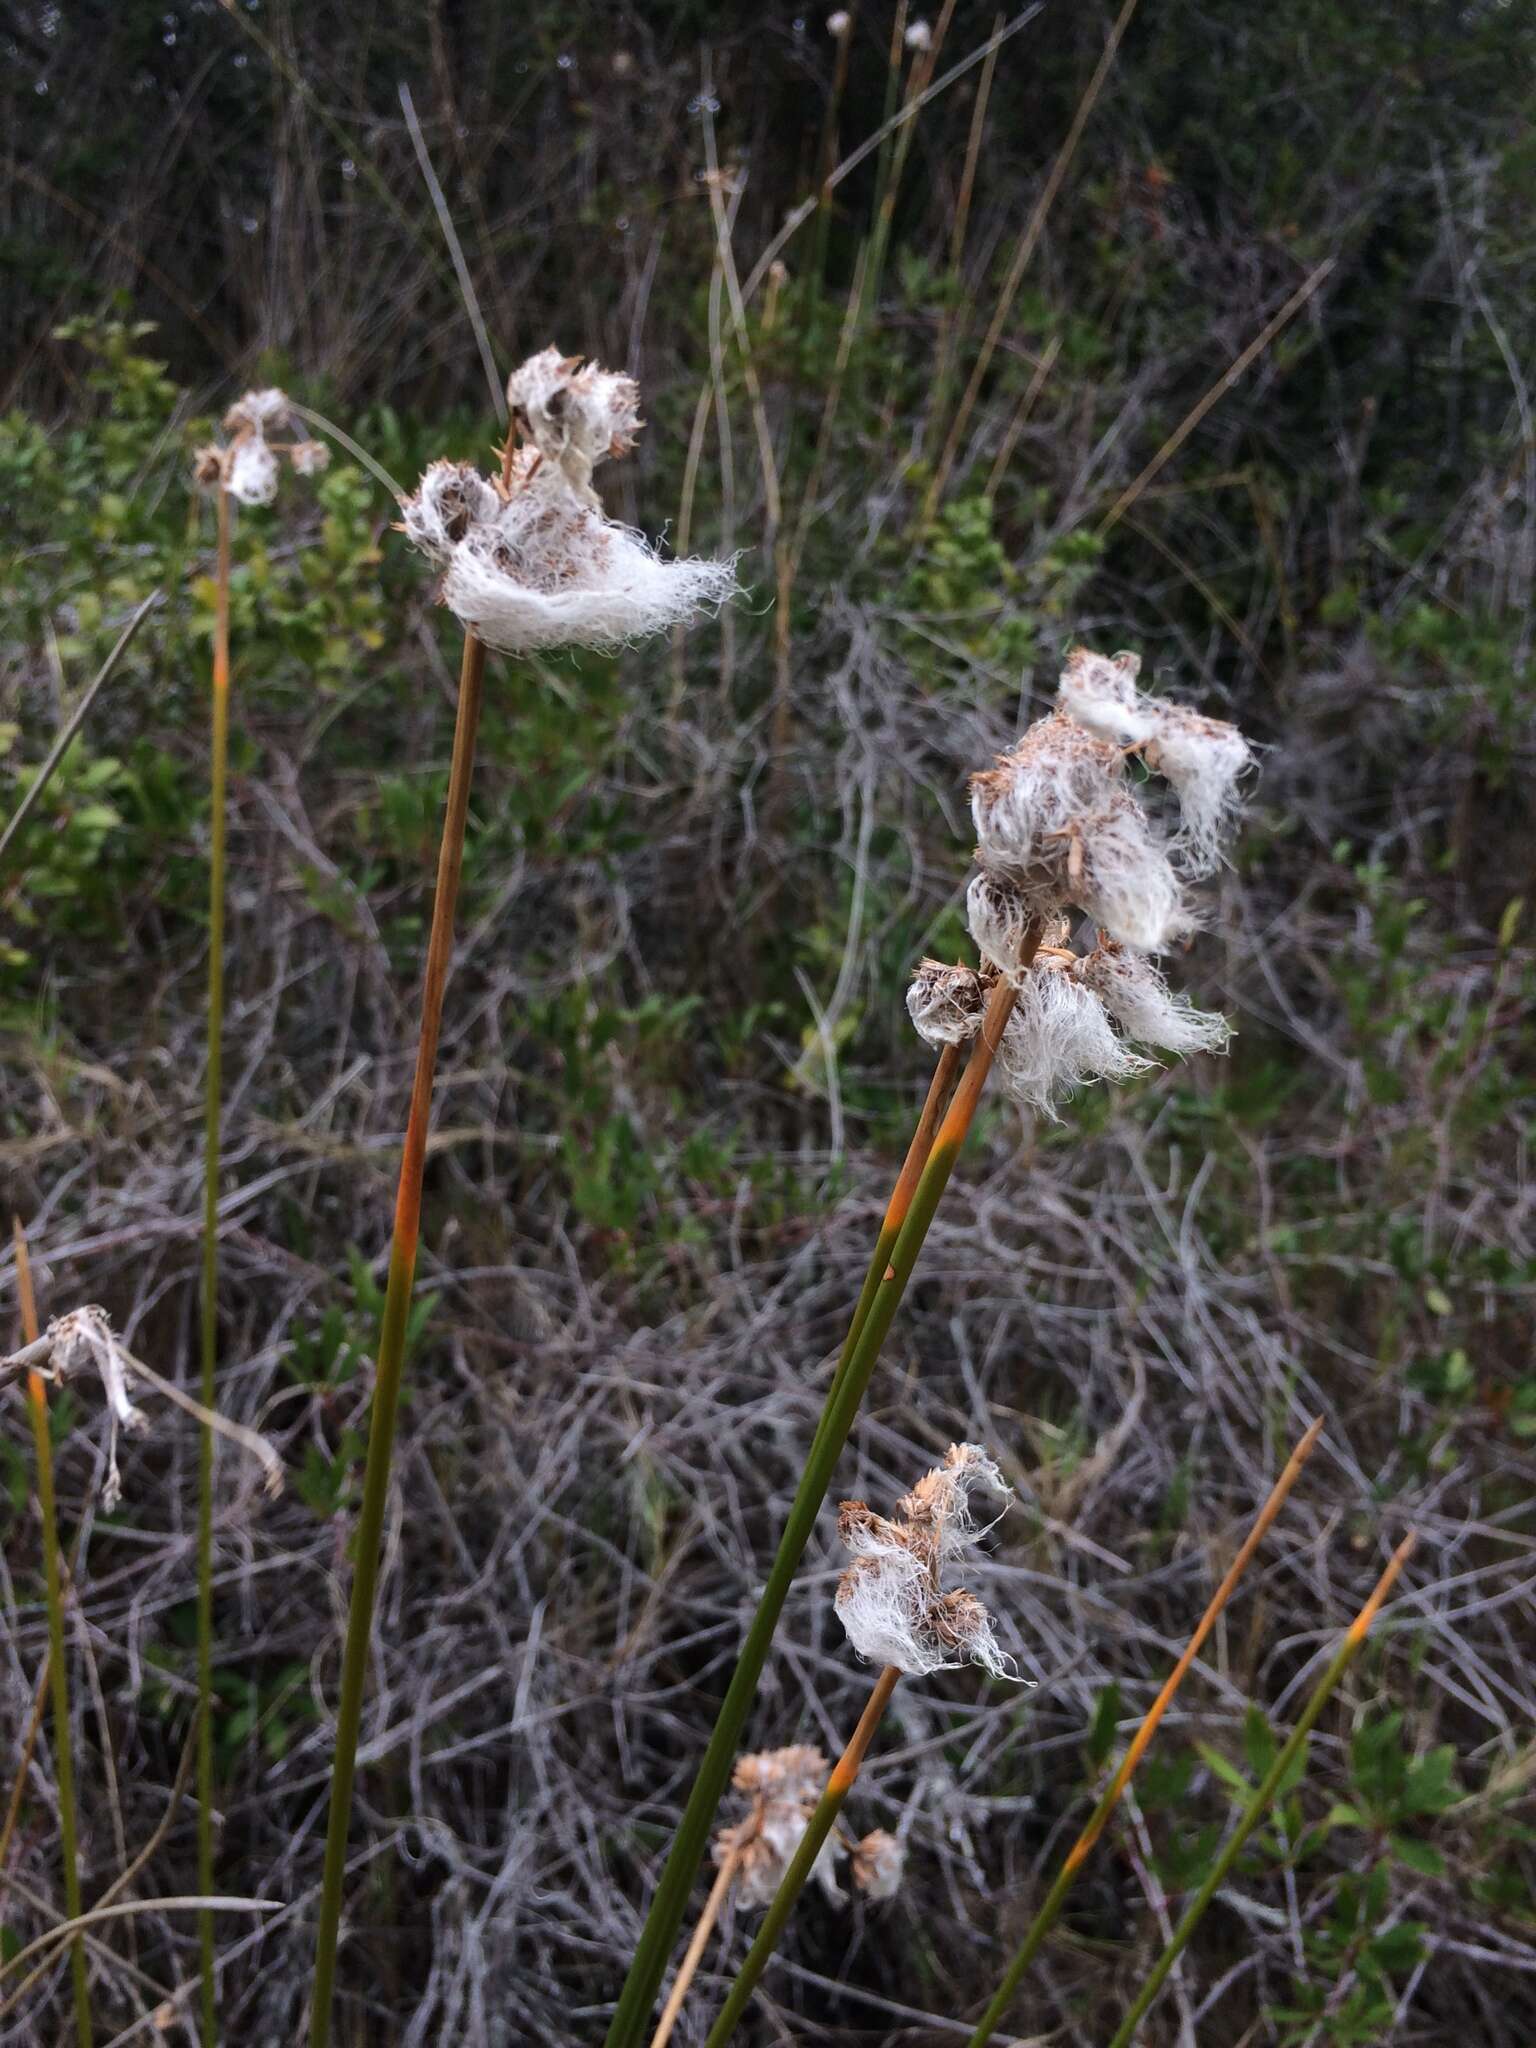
x=676 y=1074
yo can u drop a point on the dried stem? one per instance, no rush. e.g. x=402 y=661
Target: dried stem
x=1034 y=227
x=817 y=1828
x=670 y=1902
x=64 y=1762
x=1259 y=1803
x=397 y=1304
x=695 y=1951
x=218 y=748
x=1078 y=1854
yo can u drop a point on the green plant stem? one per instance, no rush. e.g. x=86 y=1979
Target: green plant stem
x=1261 y=1799
x=392 y=1333
x=218 y=752
x=895 y=1213
x=53 y=1580
x=1098 y=1820
x=670 y=1902
x=818 y=1827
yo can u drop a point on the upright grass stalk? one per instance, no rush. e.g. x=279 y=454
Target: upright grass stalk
x=895 y=1214
x=817 y=1829
x=1050 y=1909
x=53 y=1580
x=1034 y=227
x=1262 y=1797
x=397 y=1304
x=218 y=751
x=632 y=2014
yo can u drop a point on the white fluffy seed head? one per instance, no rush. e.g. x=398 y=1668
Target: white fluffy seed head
x=537 y=564
x=945 y=1003
x=1054 y=820
x=258 y=411
x=839 y=23
x=309 y=458
x=574 y=416
x=1202 y=758
x=877 y=1863
x=919 y=36
x=1058 y=1038
x=251 y=476
x=1140 y=1001
x=891 y=1600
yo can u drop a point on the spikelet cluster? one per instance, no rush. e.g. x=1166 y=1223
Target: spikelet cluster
x=782 y=1787
x=531 y=560
x=1060 y=827
x=249 y=463
x=892 y=1600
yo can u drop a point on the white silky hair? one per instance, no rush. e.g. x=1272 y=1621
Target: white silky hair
x=1202 y=758
x=451 y=497
x=252 y=474
x=1134 y=992
x=309 y=457
x=1058 y=1039
x=1055 y=822
x=546 y=568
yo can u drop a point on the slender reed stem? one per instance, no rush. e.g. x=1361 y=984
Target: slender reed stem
x=695 y=1952
x=895 y=1213
x=218 y=750
x=1034 y=227
x=1078 y=1854
x=1262 y=1798
x=53 y=1579
x=397 y=1305
x=792 y=1883
x=627 y=2029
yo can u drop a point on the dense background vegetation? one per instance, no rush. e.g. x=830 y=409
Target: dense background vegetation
x=677 y=1075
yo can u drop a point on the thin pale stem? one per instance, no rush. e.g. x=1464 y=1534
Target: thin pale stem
x=1262 y=1798
x=1078 y=1854
x=397 y=1305
x=53 y=1580
x=1028 y=242
x=218 y=753
x=695 y=1952
x=670 y=1902
x=801 y=1864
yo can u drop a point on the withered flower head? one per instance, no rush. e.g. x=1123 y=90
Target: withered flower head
x=248 y=465
x=876 y=1864
x=85 y=1341
x=891 y=1600
x=945 y=1003
x=783 y=1786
